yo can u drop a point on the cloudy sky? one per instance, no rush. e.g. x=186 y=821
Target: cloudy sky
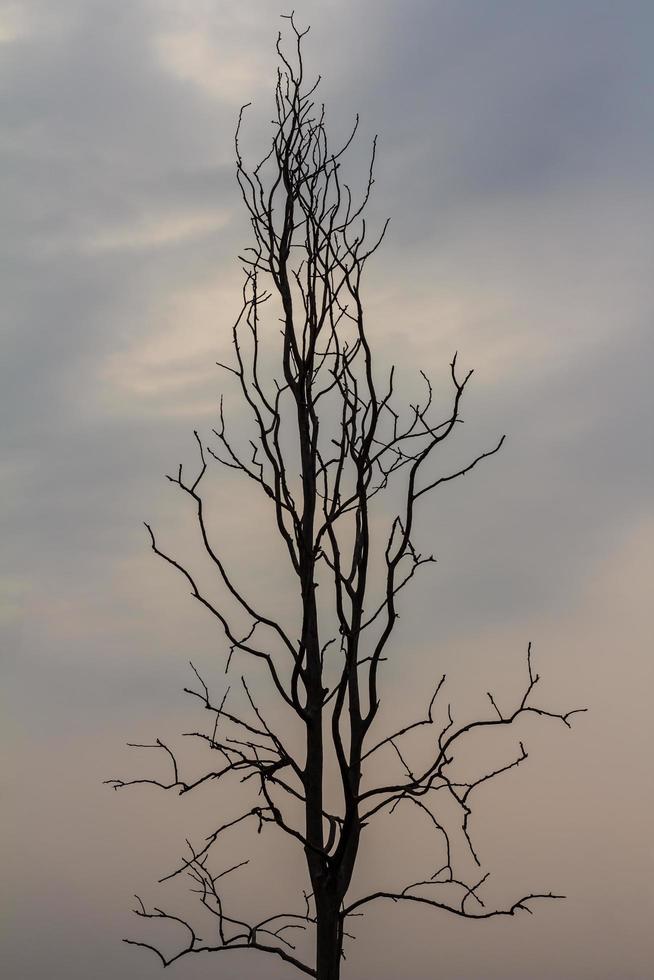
x=516 y=154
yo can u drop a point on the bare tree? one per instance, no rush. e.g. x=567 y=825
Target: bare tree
x=331 y=419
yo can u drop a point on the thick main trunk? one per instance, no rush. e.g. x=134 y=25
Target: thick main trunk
x=329 y=940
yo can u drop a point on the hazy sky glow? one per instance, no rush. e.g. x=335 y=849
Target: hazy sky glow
x=515 y=159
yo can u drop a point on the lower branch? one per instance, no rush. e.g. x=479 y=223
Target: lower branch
x=460 y=911
x=246 y=938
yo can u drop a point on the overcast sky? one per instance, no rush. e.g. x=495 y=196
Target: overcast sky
x=516 y=161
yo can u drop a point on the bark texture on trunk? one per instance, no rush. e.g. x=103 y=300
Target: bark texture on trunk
x=329 y=940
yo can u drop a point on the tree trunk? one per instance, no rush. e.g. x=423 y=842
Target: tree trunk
x=329 y=940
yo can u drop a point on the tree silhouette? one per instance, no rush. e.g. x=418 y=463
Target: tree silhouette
x=329 y=442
